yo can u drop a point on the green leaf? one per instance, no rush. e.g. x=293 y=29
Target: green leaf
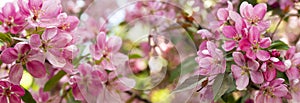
x=134 y=56
x=190 y=83
x=279 y=45
x=27 y=98
x=51 y=83
x=5 y=37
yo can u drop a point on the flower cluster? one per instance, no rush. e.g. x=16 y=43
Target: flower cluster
x=256 y=63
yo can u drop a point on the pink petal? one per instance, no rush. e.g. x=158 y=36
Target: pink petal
x=15 y=73
x=264 y=67
x=279 y=66
x=252 y=65
x=277 y=82
x=243 y=8
x=229 y=45
x=36 y=69
x=251 y=54
x=18 y=90
x=239 y=58
x=292 y=73
x=222 y=14
x=60 y=40
x=24 y=9
x=229 y=31
x=96 y=54
x=270 y=74
x=205 y=33
x=265 y=42
x=254 y=35
x=244 y=44
x=3 y=99
x=124 y=84
x=9 y=55
x=259 y=98
x=14 y=99
x=290 y=53
x=280 y=91
x=242 y=82
x=22 y=47
x=9 y=10
x=239 y=23
x=55 y=60
x=263 y=55
x=51 y=9
x=256 y=77
x=16 y=29
x=236 y=71
x=114 y=43
x=76 y=92
x=101 y=40
x=49 y=33
x=35 y=41
x=73 y=21
x=260 y=10
x=205 y=62
x=85 y=69
x=35 y=4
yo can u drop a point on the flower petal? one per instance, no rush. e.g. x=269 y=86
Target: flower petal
x=229 y=45
x=114 y=44
x=9 y=55
x=292 y=73
x=260 y=10
x=36 y=69
x=18 y=90
x=35 y=41
x=229 y=31
x=242 y=82
x=252 y=65
x=49 y=33
x=239 y=58
x=15 y=73
x=222 y=14
x=256 y=77
x=270 y=74
x=236 y=71
x=265 y=42
x=55 y=60
x=263 y=55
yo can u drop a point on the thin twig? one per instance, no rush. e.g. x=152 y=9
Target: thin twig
x=281 y=19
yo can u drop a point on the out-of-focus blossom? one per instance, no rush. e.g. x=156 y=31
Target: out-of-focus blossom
x=210 y=59
x=41 y=96
x=107 y=51
x=292 y=63
x=10 y=93
x=88 y=82
x=272 y=92
x=295 y=90
x=245 y=67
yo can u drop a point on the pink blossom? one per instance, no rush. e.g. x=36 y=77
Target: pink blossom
x=255 y=15
x=41 y=12
x=253 y=45
x=21 y=53
x=245 y=67
x=272 y=92
x=210 y=59
x=67 y=23
x=107 y=51
x=12 y=20
x=295 y=90
x=292 y=63
x=57 y=45
x=10 y=93
x=223 y=13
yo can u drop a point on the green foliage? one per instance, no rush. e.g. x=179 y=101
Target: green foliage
x=27 y=98
x=51 y=83
x=279 y=45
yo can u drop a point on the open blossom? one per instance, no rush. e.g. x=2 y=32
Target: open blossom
x=254 y=15
x=272 y=92
x=245 y=67
x=253 y=45
x=210 y=59
x=107 y=51
x=10 y=93
x=20 y=54
x=12 y=20
x=292 y=63
x=223 y=13
x=56 y=44
x=41 y=12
